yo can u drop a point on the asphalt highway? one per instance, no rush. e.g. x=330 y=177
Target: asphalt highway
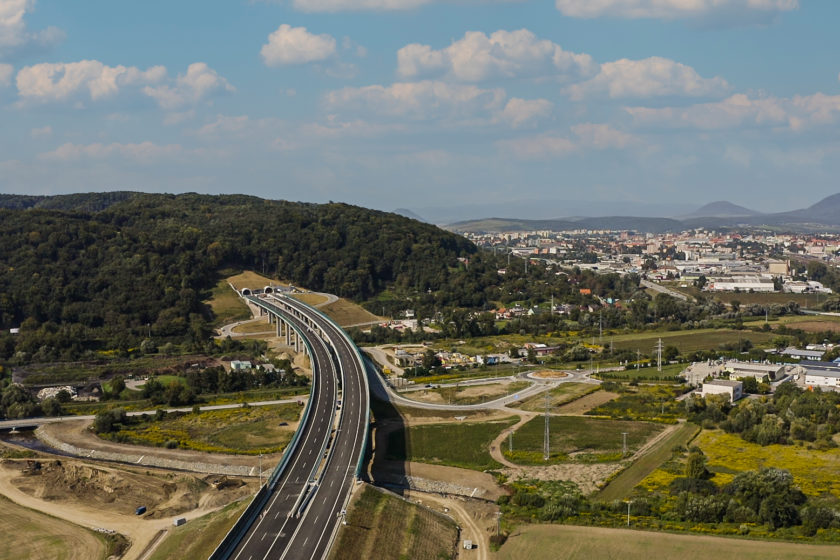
x=267 y=536
x=300 y=519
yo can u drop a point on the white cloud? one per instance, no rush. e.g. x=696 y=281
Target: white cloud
x=47 y=82
x=362 y=5
x=15 y=36
x=745 y=10
x=144 y=152
x=552 y=145
x=6 y=71
x=650 y=77
x=502 y=54
x=296 y=45
x=43 y=132
x=520 y=112
x=740 y=110
x=199 y=82
x=418 y=100
x=602 y=136
x=544 y=146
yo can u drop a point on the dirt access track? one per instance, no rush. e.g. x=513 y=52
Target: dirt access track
x=105 y=496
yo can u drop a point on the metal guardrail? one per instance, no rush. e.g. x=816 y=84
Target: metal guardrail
x=240 y=528
x=362 y=368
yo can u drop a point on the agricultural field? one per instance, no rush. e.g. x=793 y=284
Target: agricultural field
x=812 y=323
x=688 y=341
x=558 y=542
x=470 y=394
x=578 y=439
x=386 y=527
x=247 y=430
x=199 y=537
x=669 y=372
x=226 y=304
x=31 y=534
x=646 y=402
x=465 y=444
x=562 y=394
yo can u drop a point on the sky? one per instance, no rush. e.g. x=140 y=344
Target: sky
x=447 y=107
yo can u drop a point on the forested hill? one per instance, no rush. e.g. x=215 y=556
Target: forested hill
x=78 y=279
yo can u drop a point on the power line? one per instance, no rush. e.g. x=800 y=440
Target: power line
x=545 y=440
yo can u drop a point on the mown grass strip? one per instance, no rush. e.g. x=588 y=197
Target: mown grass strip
x=621 y=486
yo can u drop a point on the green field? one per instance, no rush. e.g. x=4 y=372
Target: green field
x=249 y=431
x=622 y=485
x=386 y=527
x=227 y=306
x=687 y=341
x=561 y=542
x=199 y=537
x=562 y=394
x=669 y=372
x=578 y=439
x=464 y=445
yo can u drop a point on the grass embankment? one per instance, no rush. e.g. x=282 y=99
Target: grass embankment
x=385 y=527
x=31 y=534
x=562 y=394
x=345 y=313
x=256 y=326
x=464 y=445
x=199 y=537
x=226 y=304
x=557 y=542
x=578 y=439
x=252 y=281
x=310 y=298
x=622 y=485
x=246 y=431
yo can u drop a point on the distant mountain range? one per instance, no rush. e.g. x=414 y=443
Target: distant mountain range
x=721 y=209
x=822 y=216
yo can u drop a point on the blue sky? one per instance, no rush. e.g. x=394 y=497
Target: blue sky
x=536 y=106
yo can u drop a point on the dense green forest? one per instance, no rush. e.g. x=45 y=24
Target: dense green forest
x=97 y=271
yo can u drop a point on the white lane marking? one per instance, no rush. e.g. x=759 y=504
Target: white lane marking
x=278 y=491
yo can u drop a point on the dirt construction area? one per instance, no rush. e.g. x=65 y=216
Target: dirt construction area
x=30 y=534
x=99 y=496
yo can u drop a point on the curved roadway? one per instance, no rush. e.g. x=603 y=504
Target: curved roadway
x=303 y=513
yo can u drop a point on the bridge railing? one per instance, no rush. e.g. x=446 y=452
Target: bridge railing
x=361 y=364
x=240 y=528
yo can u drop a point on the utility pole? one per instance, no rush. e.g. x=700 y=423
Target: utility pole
x=624 y=443
x=638 y=359
x=659 y=355
x=601 y=327
x=545 y=440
